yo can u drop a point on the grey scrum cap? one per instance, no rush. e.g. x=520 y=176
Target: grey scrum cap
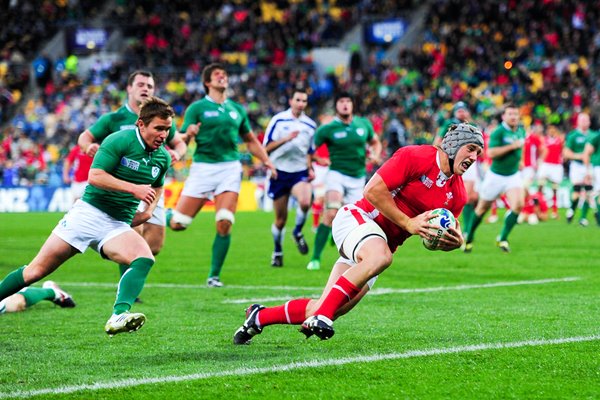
x=458 y=135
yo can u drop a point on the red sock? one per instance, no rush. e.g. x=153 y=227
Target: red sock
x=342 y=292
x=494 y=210
x=317 y=209
x=505 y=201
x=293 y=312
x=554 y=203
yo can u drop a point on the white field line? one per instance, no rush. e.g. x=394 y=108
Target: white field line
x=184 y=286
x=380 y=291
x=128 y=383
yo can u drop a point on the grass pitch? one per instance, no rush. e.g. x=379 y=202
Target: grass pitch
x=451 y=325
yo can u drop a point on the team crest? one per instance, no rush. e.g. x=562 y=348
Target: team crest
x=233 y=114
x=155 y=171
x=360 y=131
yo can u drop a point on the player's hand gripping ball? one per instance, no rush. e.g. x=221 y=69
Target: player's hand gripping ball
x=445 y=220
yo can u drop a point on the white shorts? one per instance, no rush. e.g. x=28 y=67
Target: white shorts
x=158 y=215
x=596 y=178
x=352 y=188
x=318 y=183
x=208 y=179
x=494 y=185
x=352 y=227
x=551 y=172
x=86 y=226
x=577 y=172
x=528 y=175
x=77 y=189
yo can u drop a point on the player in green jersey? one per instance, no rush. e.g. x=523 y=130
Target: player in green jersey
x=347 y=137
x=217 y=124
x=129 y=167
x=582 y=184
x=140 y=86
x=505 y=148
x=30 y=296
x=591 y=160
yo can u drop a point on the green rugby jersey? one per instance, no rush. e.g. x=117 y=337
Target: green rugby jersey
x=124 y=156
x=347 y=144
x=222 y=125
x=119 y=120
x=507 y=164
x=576 y=141
x=594 y=140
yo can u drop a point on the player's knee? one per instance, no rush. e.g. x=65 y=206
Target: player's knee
x=33 y=273
x=333 y=205
x=225 y=219
x=16 y=303
x=180 y=221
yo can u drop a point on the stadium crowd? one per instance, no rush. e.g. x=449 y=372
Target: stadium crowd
x=548 y=67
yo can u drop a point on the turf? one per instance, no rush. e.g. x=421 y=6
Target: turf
x=189 y=329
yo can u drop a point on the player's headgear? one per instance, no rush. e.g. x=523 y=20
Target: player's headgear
x=459 y=135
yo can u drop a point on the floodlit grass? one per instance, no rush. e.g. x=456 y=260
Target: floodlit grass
x=189 y=329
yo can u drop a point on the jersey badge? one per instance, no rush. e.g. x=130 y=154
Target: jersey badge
x=155 y=171
x=449 y=196
x=339 y=135
x=211 y=114
x=131 y=164
x=233 y=114
x=360 y=131
x=426 y=181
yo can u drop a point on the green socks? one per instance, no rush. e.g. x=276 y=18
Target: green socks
x=468 y=214
x=12 y=283
x=34 y=295
x=475 y=221
x=132 y=283
x=509 y=222
x=219 y=252
x=323 y=232
x=122 y=269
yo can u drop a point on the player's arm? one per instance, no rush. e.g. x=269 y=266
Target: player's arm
x=87 y=143
x=103 y=180
x=142 y=216
x=571 y=155
x=272 y=145
x=499 y=151
x=587 y=156
x=375 y=149
x=258 y=151
x=67 y=168
x=378 y=194
x=177 y=147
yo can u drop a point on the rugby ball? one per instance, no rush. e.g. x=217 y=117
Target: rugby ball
x=445 y=220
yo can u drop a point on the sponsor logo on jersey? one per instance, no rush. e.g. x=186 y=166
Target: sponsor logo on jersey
x=131 y=164
x=123 y=127
x=426 y=181
x=145 y=161
x=155 y=171
x=339 y=135
x=360 y=131
x=211 y=114
x=233 y=114
x=441 y=180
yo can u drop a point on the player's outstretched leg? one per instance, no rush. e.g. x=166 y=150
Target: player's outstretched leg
x=250 y=328
x=61 y=298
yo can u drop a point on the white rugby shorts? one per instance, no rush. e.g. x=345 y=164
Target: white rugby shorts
x=86 y=226
x=208 y=179
x=494 y=185
x=351 y=188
